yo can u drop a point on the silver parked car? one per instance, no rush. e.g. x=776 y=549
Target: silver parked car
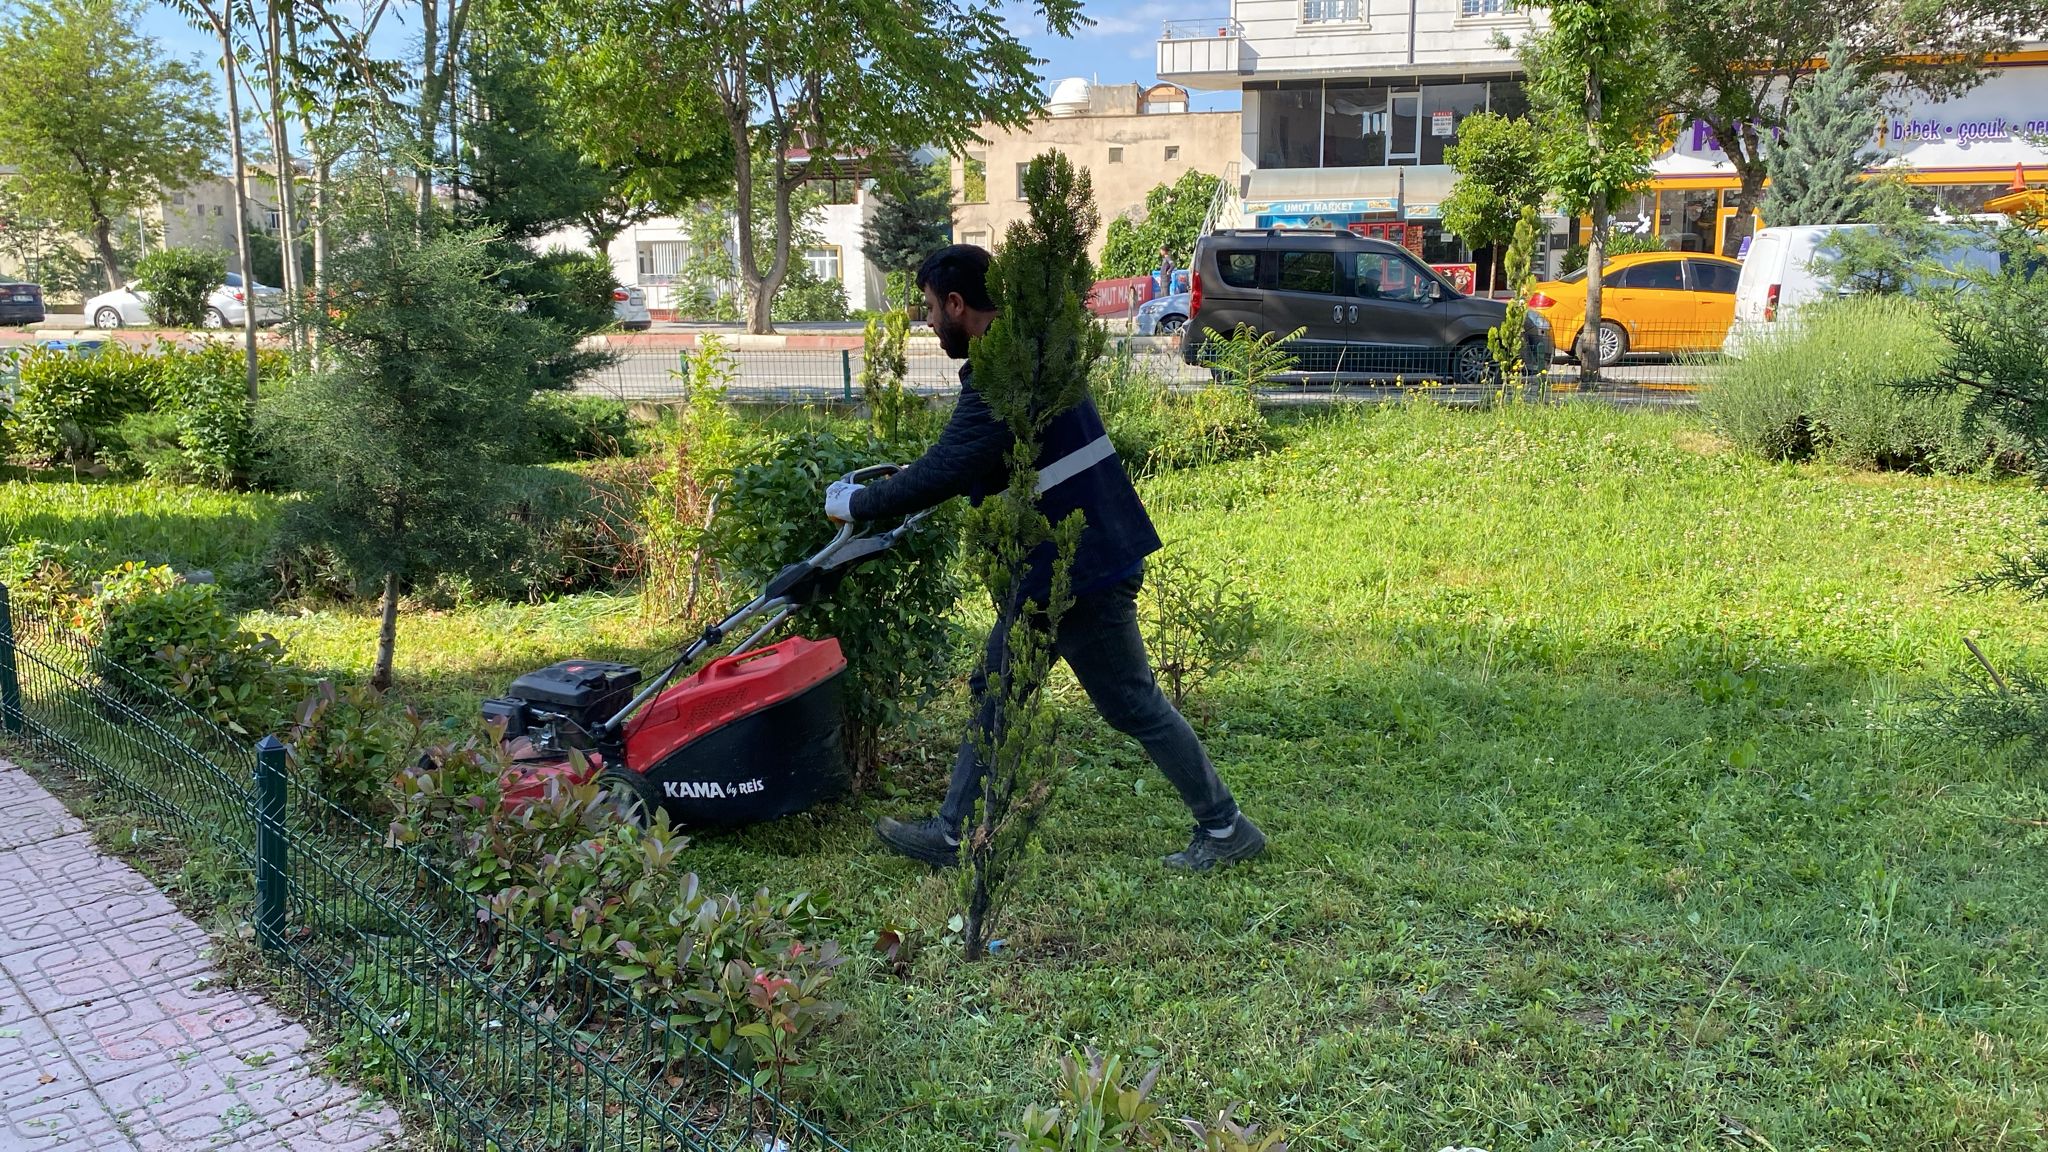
x=1163 y=315
x=128 y=306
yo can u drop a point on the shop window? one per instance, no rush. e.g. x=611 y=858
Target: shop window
x=1440 y=245
x=1443 y=107
x=1291 y=126
x=1354 y=126
x=1309 y=272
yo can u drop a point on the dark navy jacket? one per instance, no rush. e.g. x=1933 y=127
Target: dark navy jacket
x=1077 y=470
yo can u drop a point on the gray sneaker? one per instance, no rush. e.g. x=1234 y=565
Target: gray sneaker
x=920 y=840
x=1205 y=851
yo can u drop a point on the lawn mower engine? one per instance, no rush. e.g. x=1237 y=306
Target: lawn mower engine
x=753 y=735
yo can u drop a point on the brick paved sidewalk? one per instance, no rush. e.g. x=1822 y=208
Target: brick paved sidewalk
x=113 y=1034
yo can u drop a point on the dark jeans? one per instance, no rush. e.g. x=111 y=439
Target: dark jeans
x=1099 y=639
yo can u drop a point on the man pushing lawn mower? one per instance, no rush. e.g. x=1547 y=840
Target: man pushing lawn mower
x=1098 y=635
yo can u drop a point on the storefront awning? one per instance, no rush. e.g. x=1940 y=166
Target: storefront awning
x=1347 y=192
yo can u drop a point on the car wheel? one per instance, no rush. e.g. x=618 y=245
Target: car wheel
x=214 y=318
x=107 y=318
x=1471 y=364
x=1168 y=325
x=1613 y=343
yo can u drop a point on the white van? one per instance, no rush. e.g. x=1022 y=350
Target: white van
x=1786 y=269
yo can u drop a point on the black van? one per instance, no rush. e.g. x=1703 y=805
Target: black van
x=1364 y=308
x=21 y=303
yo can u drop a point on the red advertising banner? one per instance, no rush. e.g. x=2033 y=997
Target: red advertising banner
x=1462 y=276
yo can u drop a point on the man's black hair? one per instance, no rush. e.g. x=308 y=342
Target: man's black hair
x=961 y=268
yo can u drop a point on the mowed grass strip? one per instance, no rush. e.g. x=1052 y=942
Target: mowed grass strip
x=1602 y=809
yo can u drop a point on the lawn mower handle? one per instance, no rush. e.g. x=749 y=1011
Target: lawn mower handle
x=852 y=545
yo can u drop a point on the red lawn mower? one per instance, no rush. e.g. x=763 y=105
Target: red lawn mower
x=753 y=735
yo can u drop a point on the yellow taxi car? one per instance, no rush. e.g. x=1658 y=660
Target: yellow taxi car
x=1650 y=302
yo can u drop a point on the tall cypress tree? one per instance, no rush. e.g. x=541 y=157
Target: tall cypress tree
x=913 y=219
x=1816 y=168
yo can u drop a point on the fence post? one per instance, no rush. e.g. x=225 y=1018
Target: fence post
x=270 y=846
x=10 y=677
x=683 y=370
x=846 y=374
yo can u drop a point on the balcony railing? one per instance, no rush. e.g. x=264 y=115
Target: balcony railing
x=1222 y=26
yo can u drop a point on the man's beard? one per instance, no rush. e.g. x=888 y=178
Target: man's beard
x=953 y=339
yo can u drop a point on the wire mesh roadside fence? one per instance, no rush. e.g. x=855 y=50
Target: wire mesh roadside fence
x=504 y=1040
x=1658 y=366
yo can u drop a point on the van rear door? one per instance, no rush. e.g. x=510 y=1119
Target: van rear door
x=1762 y=270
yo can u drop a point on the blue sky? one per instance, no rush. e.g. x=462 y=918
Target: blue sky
x=1118 y=50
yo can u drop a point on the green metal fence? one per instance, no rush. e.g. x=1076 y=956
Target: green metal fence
x=507 y=1042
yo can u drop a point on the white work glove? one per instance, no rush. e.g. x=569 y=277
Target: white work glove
x=839 y=500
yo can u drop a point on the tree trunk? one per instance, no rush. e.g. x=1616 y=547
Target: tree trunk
x=1596 y=246
x=103 y=240
x=387 y=635
x=429 y=112
x=1596 y=262
x=290 y=273
x=241 y=196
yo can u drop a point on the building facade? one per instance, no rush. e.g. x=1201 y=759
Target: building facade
x=1348 y=106
x=656 y=254
x=1129 y=139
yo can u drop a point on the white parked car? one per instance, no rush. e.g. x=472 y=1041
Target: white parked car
x=1163 y=315
x=629 y=308
x=128 y=306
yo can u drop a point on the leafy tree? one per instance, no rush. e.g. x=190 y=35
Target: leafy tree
x=402 y=440
x=1597 y=81
x=1032 y=364
x=522 y=170
x=1499 y=174
x=1172 y=220
x=1817 y=164
x=1743 y=63
x=913 y=219
x=96 y=117
x=794 y=85
x=1886 y=259
x=178 y=281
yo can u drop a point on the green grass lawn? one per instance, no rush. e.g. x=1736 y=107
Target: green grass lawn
x=1602 y=811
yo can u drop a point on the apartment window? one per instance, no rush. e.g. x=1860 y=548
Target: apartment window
x=1116 y=155
x=1022 y=170
x=177 y=199
x=974 y=178
x=1173 y=151
x=978 y=239
x=1485 y=7
x=216 y=209
x=823 y=263
x=1336 y=11
x=661 y=261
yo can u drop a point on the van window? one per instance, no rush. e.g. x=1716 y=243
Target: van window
x=1661 y=274
x=1238 y=269
x=1709 y=276
x=1308 y=272
x=1385 y=277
